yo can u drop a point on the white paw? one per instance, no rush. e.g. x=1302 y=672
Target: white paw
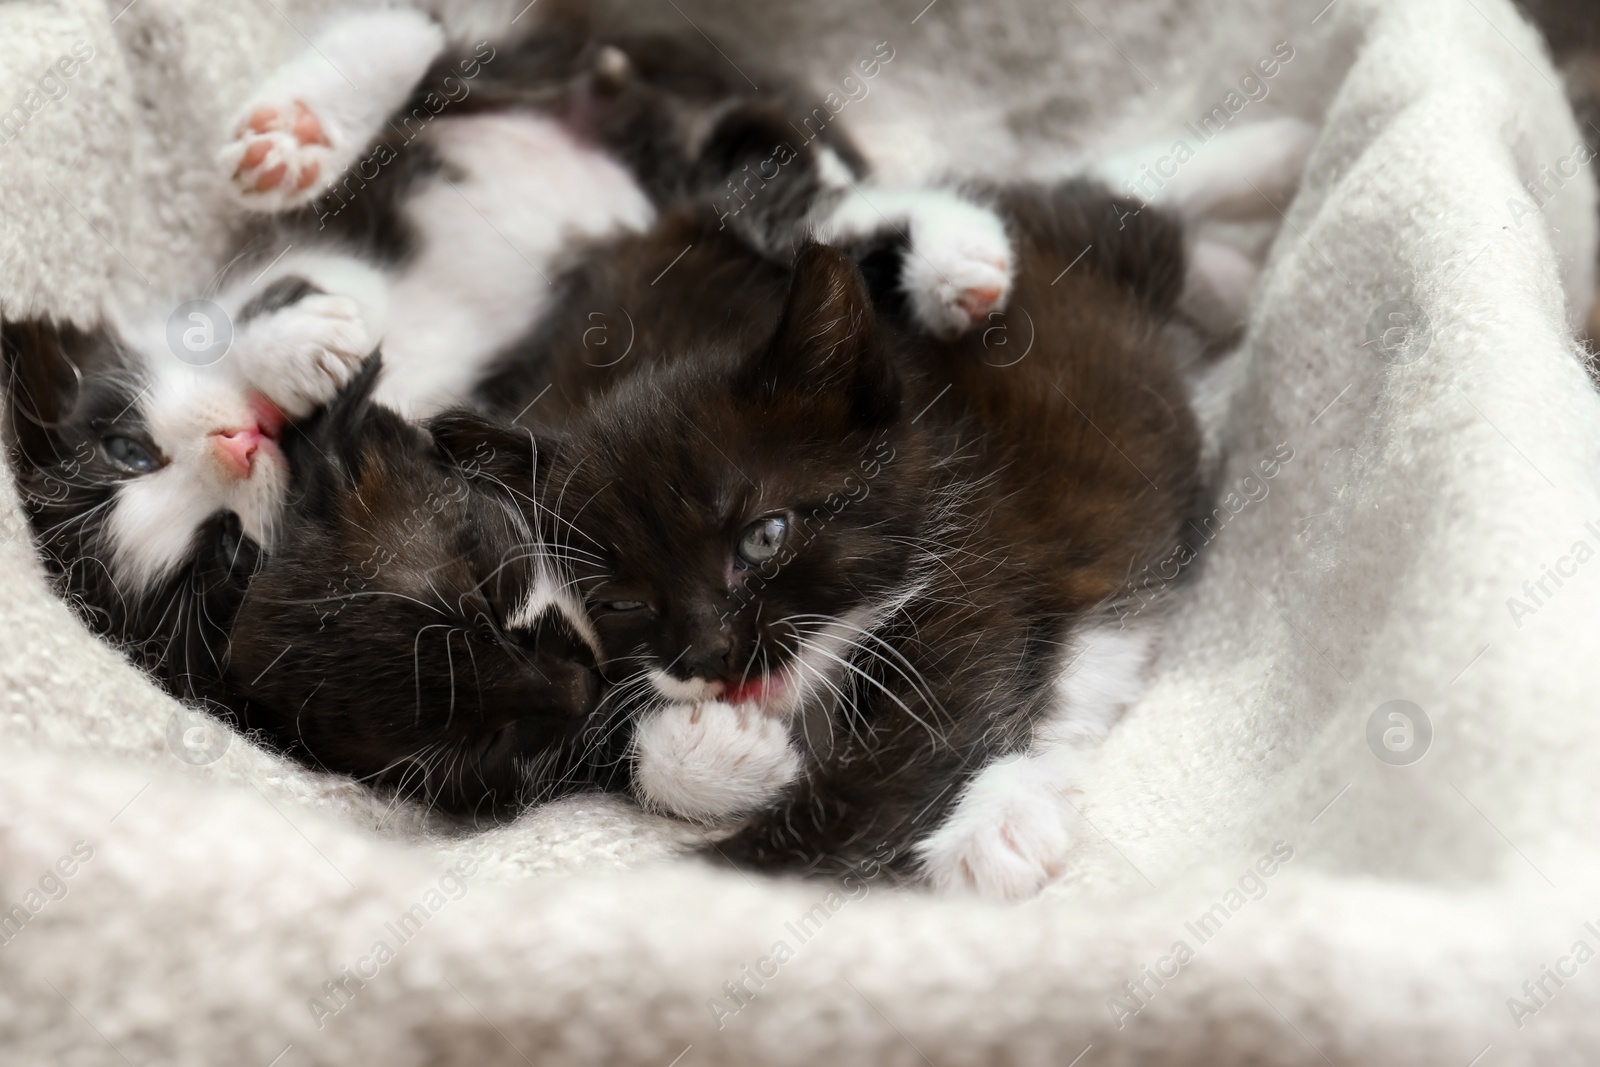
x=301 y=355
x=959 y=267
x=711 y=761
x=278 y=155
x=1008 y=837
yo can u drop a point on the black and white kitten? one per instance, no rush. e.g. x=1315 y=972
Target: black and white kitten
x=484 y=172
x=151 y=481
x=810 y=520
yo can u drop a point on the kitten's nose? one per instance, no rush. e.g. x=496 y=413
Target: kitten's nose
x=710 y=657
x=580 y=690
x=236 y=448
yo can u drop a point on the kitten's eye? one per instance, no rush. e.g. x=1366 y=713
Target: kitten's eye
x=624 y=605
x=763 y=540
x=131 y=455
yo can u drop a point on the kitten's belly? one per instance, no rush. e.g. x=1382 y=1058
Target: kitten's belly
x=521 y=190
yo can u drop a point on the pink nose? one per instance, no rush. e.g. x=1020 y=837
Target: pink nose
x=236 y=448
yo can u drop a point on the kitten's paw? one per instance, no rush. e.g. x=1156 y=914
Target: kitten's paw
x=278 y=155
x=959 y=267
x=1008 y=837
x=711 y=761
x=301 y=355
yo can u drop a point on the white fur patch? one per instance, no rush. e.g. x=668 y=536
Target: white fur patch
x=154 y=516
x=301 y=355
x=490 y=243
x=297 y=357
x=711 y=761
x=1106 y=671
x=1227 y=177
x=362 y=67
x=684 y=689
x=959 y=266
x=1009 y=834
x=551 y=594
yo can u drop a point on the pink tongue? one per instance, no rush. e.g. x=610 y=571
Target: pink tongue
x=749 y=692
x=269 y=417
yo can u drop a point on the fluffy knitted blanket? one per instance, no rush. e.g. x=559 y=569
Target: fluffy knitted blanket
x=1353 y=822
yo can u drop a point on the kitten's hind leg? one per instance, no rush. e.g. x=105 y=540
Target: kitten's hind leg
x=316 y=113
x=957 y=265
x=1010 y=834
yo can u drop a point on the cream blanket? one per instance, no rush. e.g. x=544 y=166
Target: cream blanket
x=1255 y=884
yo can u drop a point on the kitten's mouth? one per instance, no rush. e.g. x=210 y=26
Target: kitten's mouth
x=762 y=690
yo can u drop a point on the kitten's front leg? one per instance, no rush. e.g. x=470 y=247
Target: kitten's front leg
x=315 y=114
x=1010 y=833
x=711 y=761
x=957 y=266
x=303 y=334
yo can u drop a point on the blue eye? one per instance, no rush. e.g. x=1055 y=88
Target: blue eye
x=624 y=605
x=763 y=539
x=133 y=456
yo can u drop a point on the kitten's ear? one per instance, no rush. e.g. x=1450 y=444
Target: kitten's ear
x=826 y=345
x=43 y=371
x=331 y=441
x=344 y=414
x=481 y=446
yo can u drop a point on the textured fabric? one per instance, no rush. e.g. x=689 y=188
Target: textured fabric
x=1433 y=473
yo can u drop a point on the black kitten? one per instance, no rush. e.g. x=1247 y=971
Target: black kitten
x=819 y=513
x=411 y=626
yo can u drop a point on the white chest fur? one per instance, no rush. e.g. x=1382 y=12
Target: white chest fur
x=519 y=189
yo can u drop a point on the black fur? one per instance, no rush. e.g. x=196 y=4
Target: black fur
x=984 y=507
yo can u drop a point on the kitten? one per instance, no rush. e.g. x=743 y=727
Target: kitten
x=813 y=518
x=470 y=178
x=151 y=482
x=410 y=626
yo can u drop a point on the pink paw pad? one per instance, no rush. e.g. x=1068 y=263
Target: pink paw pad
x=978 y=303
x=273 y=156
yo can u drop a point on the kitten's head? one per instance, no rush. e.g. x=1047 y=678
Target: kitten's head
x=746 y=515
x=140 y=480
x=409 y=626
